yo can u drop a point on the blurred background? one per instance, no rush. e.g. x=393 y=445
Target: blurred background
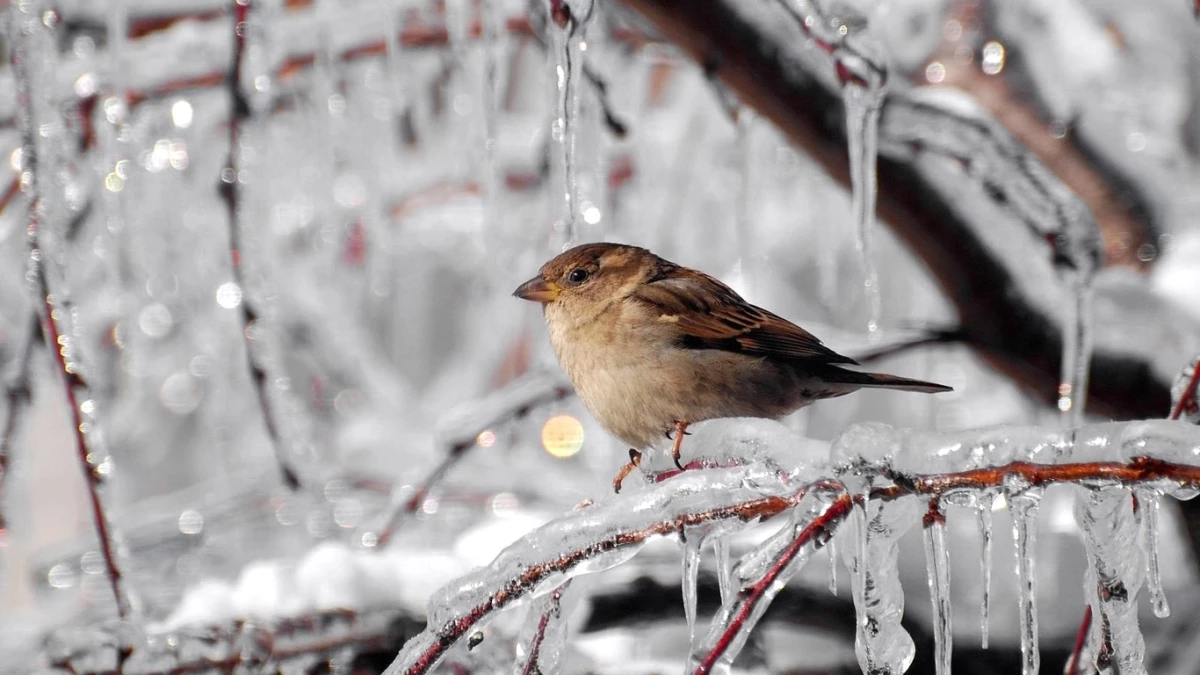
x=284 y=254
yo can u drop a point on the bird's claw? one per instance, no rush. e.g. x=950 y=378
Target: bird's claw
x=680 y=432
x=635 y=459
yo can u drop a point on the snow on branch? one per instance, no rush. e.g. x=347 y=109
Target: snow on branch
x=877 y=473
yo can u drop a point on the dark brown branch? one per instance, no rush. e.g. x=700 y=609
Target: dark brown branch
x=51 y=308
x=231 y=191
x=751 y=56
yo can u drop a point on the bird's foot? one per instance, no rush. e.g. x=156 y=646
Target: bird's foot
x=635 y=459
x=680 y=432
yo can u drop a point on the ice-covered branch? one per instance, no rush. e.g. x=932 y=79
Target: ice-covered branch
x=459 y=432
x=1104 y=460
x=34 y=42
x=966 y=197
x=231 y=193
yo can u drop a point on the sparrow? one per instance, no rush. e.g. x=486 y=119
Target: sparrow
x=652 y=346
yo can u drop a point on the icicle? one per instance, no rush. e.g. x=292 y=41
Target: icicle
x=1024 y=509
x=691 y=573
x=1111 y=538
x=724 y=570
x=937 y=561
x=491 y=16
x=1077 y=351
x=1148 y=503
x=881 y=643
x=985 y=529
x=863 y=100
x=832 y=547
x=571 y=19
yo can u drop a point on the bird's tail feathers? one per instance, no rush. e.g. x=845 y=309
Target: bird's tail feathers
x=882 y=381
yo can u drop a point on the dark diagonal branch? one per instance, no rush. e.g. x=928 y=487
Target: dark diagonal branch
x=958 y=224
x=231 y=192
x=29 y=69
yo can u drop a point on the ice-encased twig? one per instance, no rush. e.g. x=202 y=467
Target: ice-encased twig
x=762 y=573
x=1117 y=569
x=590 y=540
x=32 y=58
x=458 y=431
x=231 y=193
x=545 y=633
x=606 y=534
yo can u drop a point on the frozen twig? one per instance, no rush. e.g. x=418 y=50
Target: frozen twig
x=460 y=431
x=552 y=613
x=34 y=38
x=231 y=192
x=609 y=532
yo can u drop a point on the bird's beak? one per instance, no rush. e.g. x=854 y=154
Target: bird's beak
x=538 y=289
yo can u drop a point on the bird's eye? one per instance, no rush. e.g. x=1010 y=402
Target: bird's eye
x=578 y=276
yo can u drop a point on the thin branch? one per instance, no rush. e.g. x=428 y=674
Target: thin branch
x=231 y=191
x=429 y=647
x=509 y=404
x=553 y=611
x=52 y=307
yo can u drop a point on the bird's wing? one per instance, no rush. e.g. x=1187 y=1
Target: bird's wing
x=710 y=315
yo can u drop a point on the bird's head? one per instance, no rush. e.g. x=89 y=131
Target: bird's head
x=588 y=278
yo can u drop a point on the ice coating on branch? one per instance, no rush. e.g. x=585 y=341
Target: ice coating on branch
x=462 y=425
x=762 y=573
x=937 y=561
x=748 y=439
x=1111 y=538
x=543 y=638
x=1148 y=505
x=593 y=539
x=1024 y=509
x=985 y=530
x=881 y=643
x=945 y=122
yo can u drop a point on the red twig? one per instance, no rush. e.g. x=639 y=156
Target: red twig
x=1080 y=641
x=749 y=598
x=454 y=454
x=230 y=188
x=443 y=637
x=539 y=636
x=45 y=302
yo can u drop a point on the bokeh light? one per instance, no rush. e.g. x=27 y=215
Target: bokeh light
x=562 y=436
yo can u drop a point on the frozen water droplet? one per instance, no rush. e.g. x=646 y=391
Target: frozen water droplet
x=691 y=573
x=720 y=545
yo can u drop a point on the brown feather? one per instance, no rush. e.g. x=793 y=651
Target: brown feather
x=711 y=315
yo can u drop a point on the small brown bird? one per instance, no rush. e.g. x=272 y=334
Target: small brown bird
x=652 y=346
